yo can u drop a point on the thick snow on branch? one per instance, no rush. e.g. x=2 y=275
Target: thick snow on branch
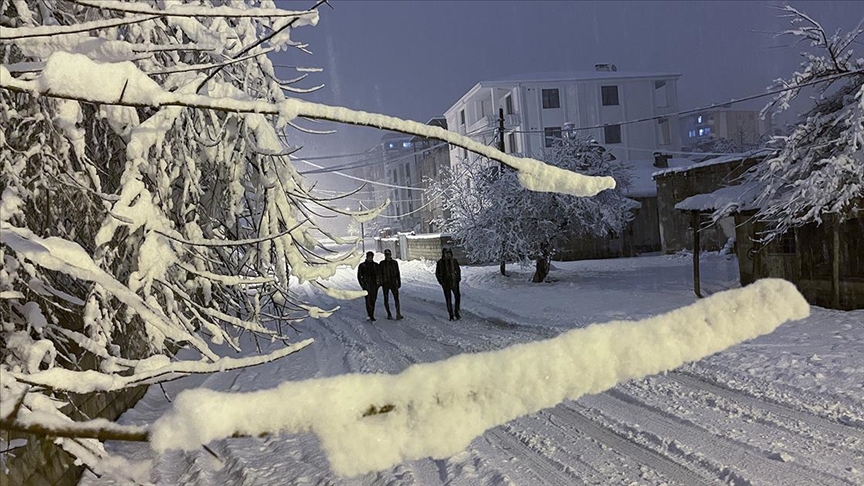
x=436 y=409
x=75 y=76
x=309 y=17
x=158 y=366
x=68 y=257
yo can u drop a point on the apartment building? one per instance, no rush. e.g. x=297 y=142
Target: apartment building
x=431 y=158
x=742 y=127
x=539 y=107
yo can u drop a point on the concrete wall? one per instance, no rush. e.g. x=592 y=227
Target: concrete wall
x=422 y=246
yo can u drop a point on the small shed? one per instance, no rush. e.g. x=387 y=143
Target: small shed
x=676 y=184
x=825 y=261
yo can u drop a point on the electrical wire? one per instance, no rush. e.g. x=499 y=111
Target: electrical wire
x=705 y=108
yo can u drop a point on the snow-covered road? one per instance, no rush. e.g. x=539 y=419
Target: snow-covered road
x=784 y=409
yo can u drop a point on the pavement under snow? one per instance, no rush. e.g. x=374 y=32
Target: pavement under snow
x=786 y=408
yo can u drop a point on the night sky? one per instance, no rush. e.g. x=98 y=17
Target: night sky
x=414 y=59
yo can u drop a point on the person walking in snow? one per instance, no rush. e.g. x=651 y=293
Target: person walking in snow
x=390 y=282
x=368 y=277
x=449 y=275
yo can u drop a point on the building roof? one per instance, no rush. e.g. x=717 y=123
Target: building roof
x=724 y=201
x=557 y=76
x=577 y=76
x=641 y=181
x=723 y=159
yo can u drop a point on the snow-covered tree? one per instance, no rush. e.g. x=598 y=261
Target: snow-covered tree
x=149 y=204
x=818 y=170
x=495 y=218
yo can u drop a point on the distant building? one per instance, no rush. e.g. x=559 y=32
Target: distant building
x=743 y=128
x=400 y=169
x=431 y=158
x=539 y=107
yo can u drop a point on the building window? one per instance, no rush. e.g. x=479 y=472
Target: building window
x=551 y=135
x=406 y=145
x=508 y=104
x=663 y=133
x=462 y=118
x=699 y=119
x=550 y=98
x=612 y=134
x=661 y=96
x=609 y=95
x=511 y=141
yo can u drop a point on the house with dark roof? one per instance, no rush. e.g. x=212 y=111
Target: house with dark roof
x=825 y=261
x=675 y=184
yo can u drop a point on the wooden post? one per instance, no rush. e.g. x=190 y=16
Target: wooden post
x=835 y=265
x=695 y=223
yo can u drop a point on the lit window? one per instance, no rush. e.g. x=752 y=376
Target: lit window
x=699 y=119
x=707 y=130
x=391 y=145
x=406 y=144
x=701 y=132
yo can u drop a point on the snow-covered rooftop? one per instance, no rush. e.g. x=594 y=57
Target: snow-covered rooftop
x=578 y=76
x=724 y=201
x=642 y=183
x=723 y=159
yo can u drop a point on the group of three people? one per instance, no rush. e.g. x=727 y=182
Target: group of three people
x=371 y=275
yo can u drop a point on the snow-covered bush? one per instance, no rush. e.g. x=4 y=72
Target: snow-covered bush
x=497 y=219
x=818 y=170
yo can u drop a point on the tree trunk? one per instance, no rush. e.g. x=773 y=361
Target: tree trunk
x=503 y=262
x=541 y=270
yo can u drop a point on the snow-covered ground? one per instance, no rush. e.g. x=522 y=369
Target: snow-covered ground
x=783 y=409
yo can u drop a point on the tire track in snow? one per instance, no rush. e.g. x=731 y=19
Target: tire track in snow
x=648 y=457
x=546 y=468
x=736 y=396
x=656 y=426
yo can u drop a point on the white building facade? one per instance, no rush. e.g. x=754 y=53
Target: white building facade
x=538 y=108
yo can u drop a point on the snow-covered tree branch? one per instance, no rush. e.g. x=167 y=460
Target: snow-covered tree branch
x=818 y=169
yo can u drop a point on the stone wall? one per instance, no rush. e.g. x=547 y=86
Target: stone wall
x=422 y=246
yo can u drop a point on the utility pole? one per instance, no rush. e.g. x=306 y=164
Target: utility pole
x=501 y=135
x=500 y=173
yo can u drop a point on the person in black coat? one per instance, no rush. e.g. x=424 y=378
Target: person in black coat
x=449 y=275
x=390 y=282
x=368 y=278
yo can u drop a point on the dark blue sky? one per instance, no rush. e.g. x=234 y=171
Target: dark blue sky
x=414 y=59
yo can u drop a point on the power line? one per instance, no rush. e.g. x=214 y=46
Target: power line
x=709 y=107
x=370 y=162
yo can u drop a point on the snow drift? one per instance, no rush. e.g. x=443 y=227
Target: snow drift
x=371 y=422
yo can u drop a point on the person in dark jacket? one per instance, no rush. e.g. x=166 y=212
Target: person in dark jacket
x=368 y=278
x=390 y=282
x=449 y=275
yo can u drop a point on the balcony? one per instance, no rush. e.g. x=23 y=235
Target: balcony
x=490 y=122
